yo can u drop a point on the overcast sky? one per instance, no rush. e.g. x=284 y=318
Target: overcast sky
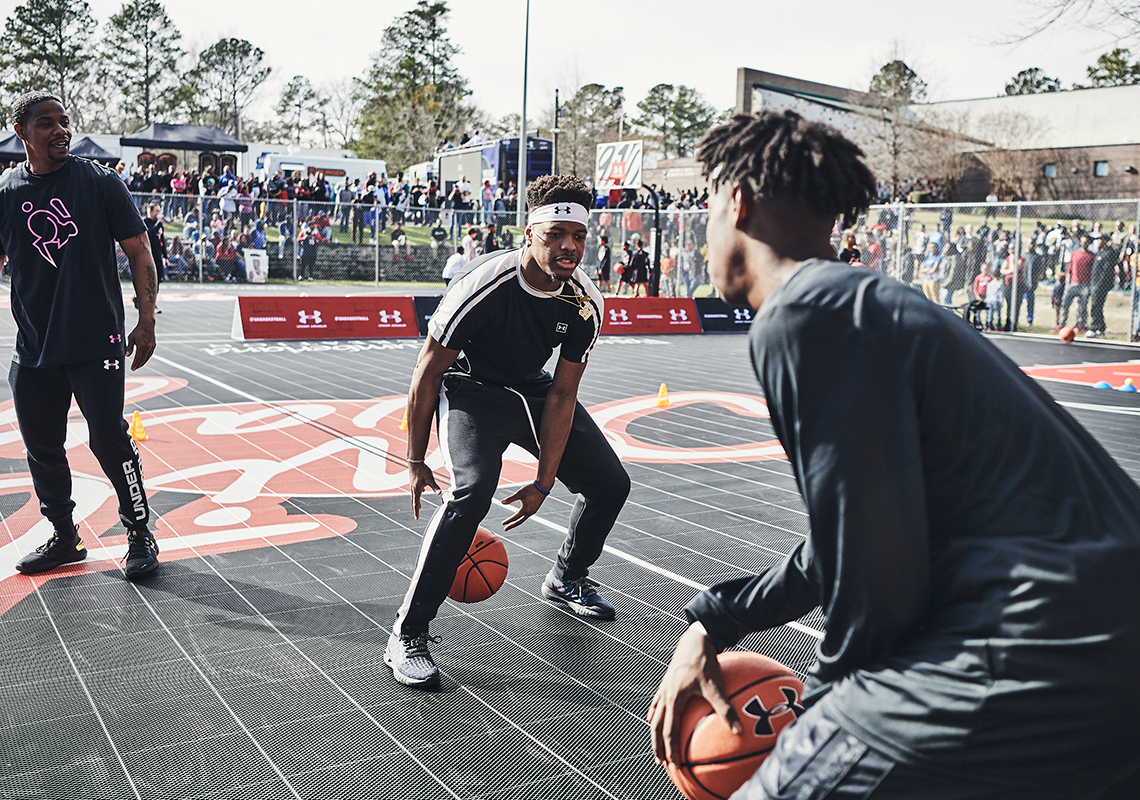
x=639 y=43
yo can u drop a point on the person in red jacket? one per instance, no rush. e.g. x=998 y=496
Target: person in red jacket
x=1077 y=285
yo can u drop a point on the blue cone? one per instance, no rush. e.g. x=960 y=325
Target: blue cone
x=1102 y=385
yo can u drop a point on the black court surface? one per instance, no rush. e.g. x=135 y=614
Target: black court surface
x=251 y=665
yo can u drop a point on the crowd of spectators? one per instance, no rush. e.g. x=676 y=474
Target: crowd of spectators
x=991 y=275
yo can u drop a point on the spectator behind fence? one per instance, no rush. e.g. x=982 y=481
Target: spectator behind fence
x=438 y=239
x=1077 y=279
x=400 y=239
x=602 y=275
x=1102 y=279
x=454 y=265
x=849 y=252
x=953 y=269
x=931 y=272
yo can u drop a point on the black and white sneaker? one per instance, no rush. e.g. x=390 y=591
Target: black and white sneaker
x=578 y=596
x=142 y=554
x=55 y=552
x=410 y=660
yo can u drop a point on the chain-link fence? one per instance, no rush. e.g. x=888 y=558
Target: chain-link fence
x=1005 y=266
x=1034 y=267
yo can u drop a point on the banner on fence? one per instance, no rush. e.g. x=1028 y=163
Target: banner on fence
x=639 y=315
x=256 y=265
x=717 y=315
x=325 y=317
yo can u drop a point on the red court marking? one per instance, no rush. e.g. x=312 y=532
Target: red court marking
x=240 y=463
x=1089 y=374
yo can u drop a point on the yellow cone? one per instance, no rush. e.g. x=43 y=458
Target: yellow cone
x=662 y=396
x=137 y=432
x=404 y=421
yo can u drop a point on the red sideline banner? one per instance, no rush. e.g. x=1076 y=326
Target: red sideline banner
x=636 y=315
x=325 y=317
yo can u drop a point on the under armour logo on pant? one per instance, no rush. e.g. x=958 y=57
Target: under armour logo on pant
x=110 y=364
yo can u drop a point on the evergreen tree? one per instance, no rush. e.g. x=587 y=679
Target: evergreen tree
x=1032 y=81
x=47 y=45
x=141 y=46
x=226 y=79
x=1113 y=68
x=677 y=116
x=412 y=95
x=298 y=105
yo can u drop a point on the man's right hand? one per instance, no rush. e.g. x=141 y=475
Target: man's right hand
x=420 y=478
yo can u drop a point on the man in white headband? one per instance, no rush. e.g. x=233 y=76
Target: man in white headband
x=481 y=372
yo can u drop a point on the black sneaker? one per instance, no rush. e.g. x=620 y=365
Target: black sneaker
x=410 y=660
x=142 y=553
x=55 y=552
x=578 y=596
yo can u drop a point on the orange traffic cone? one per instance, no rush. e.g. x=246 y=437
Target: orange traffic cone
x=404 y=421
x=137 y=432
x=663 y=396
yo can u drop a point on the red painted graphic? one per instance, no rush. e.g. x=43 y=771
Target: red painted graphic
x=1113 y=374
x=242 y=464
x=323 y=317
x=640 y=315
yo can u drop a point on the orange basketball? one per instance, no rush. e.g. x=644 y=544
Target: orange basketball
x=715 y=762
x=1066 y=334
x=482 y=570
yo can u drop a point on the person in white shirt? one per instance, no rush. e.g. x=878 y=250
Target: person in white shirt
x=454 y=264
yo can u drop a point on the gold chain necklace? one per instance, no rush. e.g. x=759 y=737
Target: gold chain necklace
x=578 y=302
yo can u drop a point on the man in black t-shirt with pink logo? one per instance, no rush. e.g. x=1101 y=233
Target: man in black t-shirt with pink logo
x=60 y=217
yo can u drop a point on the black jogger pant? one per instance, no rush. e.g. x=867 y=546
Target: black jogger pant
x=476 y=423
x=42 y=397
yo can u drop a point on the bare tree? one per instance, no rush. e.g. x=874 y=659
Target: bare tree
x=1010 y=135
x=339 y=112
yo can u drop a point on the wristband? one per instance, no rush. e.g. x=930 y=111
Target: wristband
x=539 y=486
x=415 y=461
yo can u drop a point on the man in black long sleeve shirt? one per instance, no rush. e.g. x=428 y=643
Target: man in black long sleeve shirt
x=975 y=551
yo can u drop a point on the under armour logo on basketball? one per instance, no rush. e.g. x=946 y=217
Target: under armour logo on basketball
x=617 y=314
x=50 y=228
x=115 y=338
x=314 y=318
x=678 y=315
x=390 y=316
x=754 y=708
x=110 y=364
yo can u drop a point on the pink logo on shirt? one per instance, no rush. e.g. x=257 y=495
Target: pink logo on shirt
x=50 y=228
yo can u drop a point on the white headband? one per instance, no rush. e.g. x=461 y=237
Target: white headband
x=559 y=212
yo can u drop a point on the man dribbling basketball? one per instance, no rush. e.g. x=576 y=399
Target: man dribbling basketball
x=481 y=372
x=974 y=549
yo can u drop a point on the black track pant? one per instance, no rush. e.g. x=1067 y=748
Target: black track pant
x=42 y=396
x=477 y=423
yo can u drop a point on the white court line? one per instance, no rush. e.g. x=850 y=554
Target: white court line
x=661 y=570
x=1132 y=412
x=554 y=526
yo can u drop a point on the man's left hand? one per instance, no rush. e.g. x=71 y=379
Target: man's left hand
x=141 y=343
x=529 y=498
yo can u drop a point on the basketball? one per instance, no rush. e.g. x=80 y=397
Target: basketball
x=482 y=570
x=1066 y=334
x=715 y=762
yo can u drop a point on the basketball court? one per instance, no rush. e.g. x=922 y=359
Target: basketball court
x=251 y=665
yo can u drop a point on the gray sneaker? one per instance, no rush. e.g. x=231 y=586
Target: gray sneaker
x=578 y=596
x=410 y=660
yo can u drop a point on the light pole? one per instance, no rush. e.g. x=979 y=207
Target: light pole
x=556 y=130
x=520 y=201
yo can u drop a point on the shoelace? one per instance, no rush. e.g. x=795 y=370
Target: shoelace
x=416 y=647
x=583 y=588
x=138 y=546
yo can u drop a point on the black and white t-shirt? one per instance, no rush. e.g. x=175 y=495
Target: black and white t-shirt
x=59 y=232
x=508 y=330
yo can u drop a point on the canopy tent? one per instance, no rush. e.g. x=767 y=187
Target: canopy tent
x=184 y=137
x=86 y=148
x=11 y=148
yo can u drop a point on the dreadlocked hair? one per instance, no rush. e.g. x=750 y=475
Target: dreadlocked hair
x=795 y=165
x=22 y=105
x=558 y=189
